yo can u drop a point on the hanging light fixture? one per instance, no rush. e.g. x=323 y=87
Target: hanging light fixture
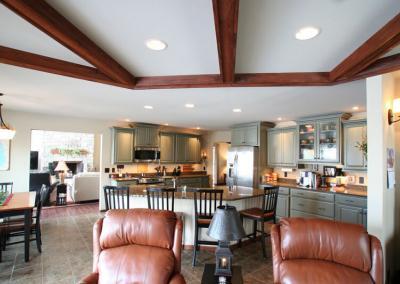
x=6 y=133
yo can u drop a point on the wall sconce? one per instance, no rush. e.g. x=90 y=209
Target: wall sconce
x=394 y=113
x=204 y=156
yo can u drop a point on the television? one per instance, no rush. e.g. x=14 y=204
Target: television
x=34 y=160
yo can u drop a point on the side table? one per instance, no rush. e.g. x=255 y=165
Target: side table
x=61 y=194
x=210 y=278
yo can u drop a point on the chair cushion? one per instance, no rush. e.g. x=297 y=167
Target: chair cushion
x=320 y=271
x=256 y=213
x=130 y=264
x=138 y=226
x=319 y=239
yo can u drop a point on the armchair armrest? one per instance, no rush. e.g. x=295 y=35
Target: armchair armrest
x=177 y=278
x=92 y=278
x=276 y=251
x=377 y=261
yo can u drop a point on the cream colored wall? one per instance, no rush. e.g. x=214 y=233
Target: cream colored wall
x=209 y=139
x=24 y=122
x=382 y=202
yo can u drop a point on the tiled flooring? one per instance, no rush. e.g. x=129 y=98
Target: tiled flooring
x=67 y=253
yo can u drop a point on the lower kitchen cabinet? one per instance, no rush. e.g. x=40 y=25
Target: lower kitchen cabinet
x=351 y=209
x=283 y=203
x=311 y=204
x=198 y=182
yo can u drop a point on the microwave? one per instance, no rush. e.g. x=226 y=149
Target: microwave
x=147 y=155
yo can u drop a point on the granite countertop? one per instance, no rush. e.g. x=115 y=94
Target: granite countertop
x=349 y=190
x=238 y=193
x=164 y=177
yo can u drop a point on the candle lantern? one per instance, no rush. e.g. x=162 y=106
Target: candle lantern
x=225 y=227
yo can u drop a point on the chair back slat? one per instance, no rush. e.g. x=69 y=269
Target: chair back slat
x=206 y=202
x=270 y=199
x=116 y=197
x=161 y=198
x=6 y=187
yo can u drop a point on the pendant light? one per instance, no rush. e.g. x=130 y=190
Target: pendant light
x=6 y=133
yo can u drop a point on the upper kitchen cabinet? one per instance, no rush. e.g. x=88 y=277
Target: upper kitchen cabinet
x=282 y=147
x=122 y=145
x=319 y=139
x=187 y=148
x=147 y=136
x=248 y=134
x=355 y=135
x=167 y=147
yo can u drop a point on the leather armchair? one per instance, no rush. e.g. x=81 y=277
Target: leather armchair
x=323 y=251
x=137 y=246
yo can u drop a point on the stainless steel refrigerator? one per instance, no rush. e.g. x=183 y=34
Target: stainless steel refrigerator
x=242 y=164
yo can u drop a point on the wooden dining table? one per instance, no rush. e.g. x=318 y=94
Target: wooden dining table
x=21 y=204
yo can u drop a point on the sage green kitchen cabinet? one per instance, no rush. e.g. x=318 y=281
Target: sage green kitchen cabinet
x=167 y=147
x=245 y=135
x=147 y=136
x=122 y=145
x=282 y=147
x=354 y=132
x=320 y=139
x=312 y=204
x=187 y=149
x=351 y=209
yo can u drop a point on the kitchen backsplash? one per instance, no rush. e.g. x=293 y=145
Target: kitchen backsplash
x=150 y=168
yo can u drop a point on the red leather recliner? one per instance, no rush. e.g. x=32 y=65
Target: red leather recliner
x=323 y=251
x=137 y=246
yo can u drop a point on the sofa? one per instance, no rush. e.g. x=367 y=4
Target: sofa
x=86 y=186
x=324 y=251
x=137 y=246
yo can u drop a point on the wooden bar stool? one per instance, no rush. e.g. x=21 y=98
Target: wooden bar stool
x=116 y=197
x=261 y=215
x=161 y=198
x=206 y=202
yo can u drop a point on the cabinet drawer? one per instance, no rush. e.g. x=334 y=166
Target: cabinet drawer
x=322 y=196
x=313 y=207
x=351 y=200
x=284 y=191
x=295 y=213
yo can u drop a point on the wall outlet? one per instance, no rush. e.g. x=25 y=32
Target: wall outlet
x=106 y=170
x=361 y=180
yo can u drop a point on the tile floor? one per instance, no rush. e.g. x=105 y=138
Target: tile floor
x=67 y=253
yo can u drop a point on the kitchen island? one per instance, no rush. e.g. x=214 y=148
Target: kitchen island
x=240 y=197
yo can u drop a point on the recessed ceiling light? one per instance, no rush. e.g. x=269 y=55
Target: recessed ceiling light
x=307 y=33
x=279 y=118
x=166 y=124
x=237 y=110
x=355 y=108
x=189 y=105
x=148 y=107
x=198 y=127
x=127 y=120
x=156 y=44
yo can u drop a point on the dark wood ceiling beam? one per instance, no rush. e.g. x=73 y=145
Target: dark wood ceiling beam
x=47 y=19
x=377 y=45
x=282 y=79
x=55 y=66
x=226 y=14
x=379 y=67
x=181 y=81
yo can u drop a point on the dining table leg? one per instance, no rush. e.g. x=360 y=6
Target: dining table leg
x=27 y=237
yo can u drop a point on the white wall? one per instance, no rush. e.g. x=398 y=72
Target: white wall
x=382 y=217
x=20 y=146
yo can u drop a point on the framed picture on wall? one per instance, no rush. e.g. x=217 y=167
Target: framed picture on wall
x=5 y=155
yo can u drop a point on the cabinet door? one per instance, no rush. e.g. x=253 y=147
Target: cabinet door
x=274 y=148
x=193 y=150
x=349 y=214
x=288 y=147
x=251 y=135
x=123 y=146
x=365 y=217
x=282 y=206
x=153 y=137
x=167 y=148
x=237 y=137
x=180 y=148
x=328 y=140
x=141 y=137
x=353 y=157
x=307 y=142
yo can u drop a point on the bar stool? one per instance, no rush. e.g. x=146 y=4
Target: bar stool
x=161 y=198
x=265 y=214
x=116 y=197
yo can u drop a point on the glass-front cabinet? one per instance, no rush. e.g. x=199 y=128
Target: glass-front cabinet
x=320 y=139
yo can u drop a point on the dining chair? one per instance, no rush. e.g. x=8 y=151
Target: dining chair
x=116 y=197
x=161 y=198
x=261 y=215
x=6 y=186
x=206 y=202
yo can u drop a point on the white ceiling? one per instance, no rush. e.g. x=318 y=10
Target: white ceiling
x=266 y=41
x=33 y=91
x=265 y=44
